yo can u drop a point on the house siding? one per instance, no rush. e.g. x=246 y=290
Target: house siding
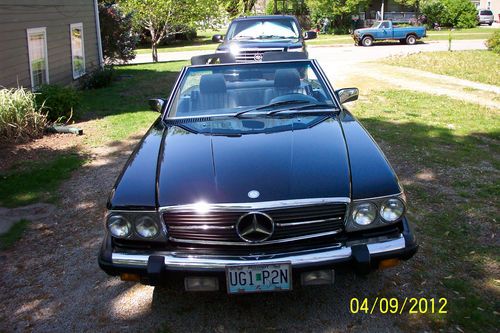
x=56 y=16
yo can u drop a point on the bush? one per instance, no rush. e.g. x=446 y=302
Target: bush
x=58 y=101
x=20 y=117
x=98 y=78
x=460 y=14
x=493 y=43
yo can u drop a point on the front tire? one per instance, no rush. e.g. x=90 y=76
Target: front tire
x=411 y=40
x=367 y=41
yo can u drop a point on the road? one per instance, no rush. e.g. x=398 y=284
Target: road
x=341 y=54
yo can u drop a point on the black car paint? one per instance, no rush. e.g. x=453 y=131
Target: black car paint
x=173 y=166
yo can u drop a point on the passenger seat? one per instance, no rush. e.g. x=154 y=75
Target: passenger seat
x=286 y=81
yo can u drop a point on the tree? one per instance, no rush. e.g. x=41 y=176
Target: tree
x=452 y=13
x=118 y=42
x=337 y=10
x=237 y=7
x=163 y=18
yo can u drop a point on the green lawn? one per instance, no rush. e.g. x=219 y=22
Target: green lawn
x=122 y=109
x=480 y=66
x=446 y=153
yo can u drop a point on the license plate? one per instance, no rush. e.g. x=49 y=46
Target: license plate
x=258 y=278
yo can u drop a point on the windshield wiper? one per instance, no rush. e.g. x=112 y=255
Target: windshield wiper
x=309 y=106
x=270 y=106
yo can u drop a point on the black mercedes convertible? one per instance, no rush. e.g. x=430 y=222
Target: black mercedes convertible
x=254 y=178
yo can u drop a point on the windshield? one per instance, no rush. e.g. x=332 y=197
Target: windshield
x=263 y=29
x=376 y=24
x=486 y=12
x=231 y=89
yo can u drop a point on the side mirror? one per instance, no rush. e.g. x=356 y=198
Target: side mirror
x=217 y=38
x=347 y=94
x=156 y=104
x=310 y=35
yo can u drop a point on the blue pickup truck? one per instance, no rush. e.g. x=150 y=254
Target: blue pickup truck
x=385 y=30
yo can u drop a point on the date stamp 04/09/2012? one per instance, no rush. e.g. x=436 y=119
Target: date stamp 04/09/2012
x=410 y=305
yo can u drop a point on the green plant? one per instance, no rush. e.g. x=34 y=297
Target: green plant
x=59 y=101
x=460 y=14
x=20 y=117
x=493 y=43
x=98 y=78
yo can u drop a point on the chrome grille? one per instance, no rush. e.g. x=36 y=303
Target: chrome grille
x=249 y=55
x=291 y=224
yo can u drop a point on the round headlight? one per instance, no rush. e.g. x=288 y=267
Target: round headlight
x=392 y=209
x=364 y=214
x=119 y=226
x=146 y=227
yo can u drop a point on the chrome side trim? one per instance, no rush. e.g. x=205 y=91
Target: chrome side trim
x=174 y=260
x=307 y=222
x=276 y=241
x=243 y=206
x=201 y=227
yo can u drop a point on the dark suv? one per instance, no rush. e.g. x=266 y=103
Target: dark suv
x=248 y=38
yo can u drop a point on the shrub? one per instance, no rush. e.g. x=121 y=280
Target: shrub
x=493 y=43
x=98 y=78
x=58 y=101
x=20 y=117
x=460 y=14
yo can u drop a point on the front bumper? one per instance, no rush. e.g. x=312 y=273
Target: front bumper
x=155 y=267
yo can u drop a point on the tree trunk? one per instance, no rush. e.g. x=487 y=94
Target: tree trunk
x=154 y=51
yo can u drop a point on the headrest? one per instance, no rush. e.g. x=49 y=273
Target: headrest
x=287 y=78
x=212 y=84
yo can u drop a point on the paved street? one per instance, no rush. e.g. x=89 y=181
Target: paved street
x=340 y=55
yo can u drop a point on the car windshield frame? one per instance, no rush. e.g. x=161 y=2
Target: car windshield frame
x=271 y=35
x=174 y=98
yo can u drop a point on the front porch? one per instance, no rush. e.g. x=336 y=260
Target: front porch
x=391 y=11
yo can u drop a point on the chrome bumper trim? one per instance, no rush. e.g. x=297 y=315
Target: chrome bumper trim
x=330 y=254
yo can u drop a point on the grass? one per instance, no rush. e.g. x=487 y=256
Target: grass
x=480 y=66
x=203 y=41
x=36 y=181
x=120 y=110
x=15 y=233
x=447 y=155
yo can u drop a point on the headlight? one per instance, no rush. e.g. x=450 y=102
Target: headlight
x=146 y=227
x=364 y=214
x=392 y=209
x=119 y=226
x=234 y=49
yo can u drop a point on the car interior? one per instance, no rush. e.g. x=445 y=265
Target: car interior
x=225 y=92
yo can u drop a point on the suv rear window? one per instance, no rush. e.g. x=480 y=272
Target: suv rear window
x=486 y=12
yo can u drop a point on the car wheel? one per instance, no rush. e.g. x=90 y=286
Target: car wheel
x=491 y=23
x=411 y=40
x=367 y=41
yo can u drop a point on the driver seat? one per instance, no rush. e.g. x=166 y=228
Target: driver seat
x=213 y=93
x=286 y=81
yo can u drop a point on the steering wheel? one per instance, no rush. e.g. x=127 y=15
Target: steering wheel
x=294 y=97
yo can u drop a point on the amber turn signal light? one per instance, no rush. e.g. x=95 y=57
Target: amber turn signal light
x=130 y=277
x=387 y=263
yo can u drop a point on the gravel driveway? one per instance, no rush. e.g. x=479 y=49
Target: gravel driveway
x=50 y=281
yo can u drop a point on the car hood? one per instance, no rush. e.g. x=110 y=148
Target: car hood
x=364 y=30
x=291 y=164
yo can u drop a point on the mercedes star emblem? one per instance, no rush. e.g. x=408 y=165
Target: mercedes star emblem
x=253 y=194
x=255 y=227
